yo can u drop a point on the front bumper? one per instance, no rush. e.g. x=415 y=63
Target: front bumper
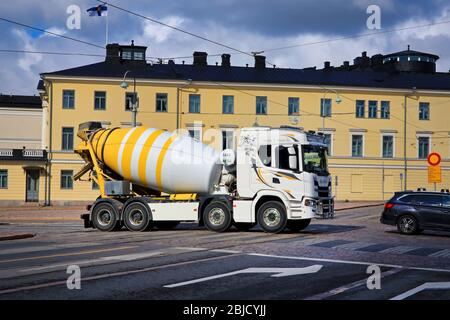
x=87 y=220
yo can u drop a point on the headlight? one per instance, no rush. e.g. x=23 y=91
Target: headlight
x=310 y=203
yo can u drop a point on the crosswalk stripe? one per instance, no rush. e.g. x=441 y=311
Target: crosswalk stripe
x=445 y=253
x=399 y=249
x=353 y=246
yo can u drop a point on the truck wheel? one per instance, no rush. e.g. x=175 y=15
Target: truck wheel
x=166 y=225
x=136 y=216
x=104 y=217
x=298 y=225
x=242 y=226
x=408 y=225
x=217 y=217
x=272 y=217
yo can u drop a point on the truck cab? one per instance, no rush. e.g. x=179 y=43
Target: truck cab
x=287 y=163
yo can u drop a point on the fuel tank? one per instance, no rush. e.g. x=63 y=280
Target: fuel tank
x=158 y=159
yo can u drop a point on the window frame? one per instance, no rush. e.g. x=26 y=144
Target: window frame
x=62 y=139
x=224 y=105
x=258 y=104
x=129 y=95
x=362 y=144
x=382 y=145
x=385 y=104
x=158 y=99
x=296 y=106
x=225 y=131
x=427 y=105
x=418 y=145
x=329 y=108
x=4 y=175
x=95 y=100
x=63 y=174
x=358 y=107
x=64 y=91
x=370 y=108
x=195 y=95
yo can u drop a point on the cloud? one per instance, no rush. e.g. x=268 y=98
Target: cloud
x=28 y=60
x=160 y=33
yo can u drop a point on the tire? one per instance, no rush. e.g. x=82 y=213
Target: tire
x=408 y=224
x=217 y=217
x=242 y=226
x=272 y=217
x=136 y=216
x=298 y=225
x=104 y=217
x=166 y=225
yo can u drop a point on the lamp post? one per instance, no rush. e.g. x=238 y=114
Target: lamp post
x=134 y=100
x=179 y=88
x=338 y=100
x=405 y=159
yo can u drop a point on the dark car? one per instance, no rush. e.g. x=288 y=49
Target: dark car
x=414 y=211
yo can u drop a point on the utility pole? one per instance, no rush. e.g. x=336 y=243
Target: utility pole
x=134 y=100
x=405 y=159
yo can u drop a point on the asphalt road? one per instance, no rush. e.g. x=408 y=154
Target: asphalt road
x=328 y=260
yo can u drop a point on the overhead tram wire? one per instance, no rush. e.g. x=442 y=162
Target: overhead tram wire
x=180 y=30
x=51 y=33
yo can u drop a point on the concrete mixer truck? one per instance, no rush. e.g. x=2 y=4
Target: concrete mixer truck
x=276 y=177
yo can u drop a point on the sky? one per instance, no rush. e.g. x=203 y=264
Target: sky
x=246 y=25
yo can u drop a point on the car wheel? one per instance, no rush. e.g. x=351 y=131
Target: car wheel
x=298 y=225
x=272 y=217
x=408 y=224
x=217 y=217
x=136 y=216
x=104 y=217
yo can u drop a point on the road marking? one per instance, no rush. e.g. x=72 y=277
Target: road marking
x=190 y=248
x=423 y=287
x=111 y=275
x=353 y=246
x=279 y=272
x=349 y=286
x=398 y=250
x=225 y=251
x=67 y=254
x=124 y=257
x=349 y=262
x=47 y=248
x=441 y=254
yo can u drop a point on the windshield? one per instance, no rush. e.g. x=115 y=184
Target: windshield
x=315 y=159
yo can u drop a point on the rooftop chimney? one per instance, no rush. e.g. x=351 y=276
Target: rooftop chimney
x=327 y=64
x=112 y=53
x=260 y=62
x=200 y=59
x=226 y=60
x=364 y=54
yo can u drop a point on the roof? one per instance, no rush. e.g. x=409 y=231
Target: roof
x=14 y=101
x=410 y=53
x=216 y=73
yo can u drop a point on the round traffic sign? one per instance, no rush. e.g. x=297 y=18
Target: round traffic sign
x=434 y=159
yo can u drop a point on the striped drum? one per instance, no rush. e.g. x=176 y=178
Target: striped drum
x=159 y=159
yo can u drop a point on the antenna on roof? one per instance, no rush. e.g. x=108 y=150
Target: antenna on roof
x=408 y=47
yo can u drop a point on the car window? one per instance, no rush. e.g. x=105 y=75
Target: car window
x=423 y=199
x=446 y=201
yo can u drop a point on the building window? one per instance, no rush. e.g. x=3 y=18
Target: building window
x=3 y=179
x=261 y=105
x=227 y=139
x=127 y=55
x=130 y=97
x=68 y=99
x=360 y=108
x=194 y=103
x=388 y=146
x=99 y=100
x=424 y=111
x=357 y=145
x=385 y=112
x=67 y=139
x=228 y=104
x=161 y=102
x=327 y=139
x=325 y=107
x=424 y=147
x=373 y=106
x=66 y=179
x=196 y=134
x=294 y=106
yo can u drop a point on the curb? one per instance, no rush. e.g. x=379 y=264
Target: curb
x=17 y=236
x=360 y=206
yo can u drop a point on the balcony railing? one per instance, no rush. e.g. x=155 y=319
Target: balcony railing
x=23 y=155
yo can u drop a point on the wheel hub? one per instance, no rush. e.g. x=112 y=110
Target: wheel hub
x=216 y=216
x=271 y=217
x=136 y=217
x=104 y=217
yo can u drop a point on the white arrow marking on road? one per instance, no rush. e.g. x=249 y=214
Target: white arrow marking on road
x=423 y=287
x=279 y=272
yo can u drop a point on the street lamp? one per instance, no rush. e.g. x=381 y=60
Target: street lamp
x=134 y=100
x=338 y=100
x=413 y=95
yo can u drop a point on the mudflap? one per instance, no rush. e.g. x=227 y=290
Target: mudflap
x=86 y=217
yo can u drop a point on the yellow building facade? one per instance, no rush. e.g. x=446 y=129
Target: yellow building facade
x=363 y=120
